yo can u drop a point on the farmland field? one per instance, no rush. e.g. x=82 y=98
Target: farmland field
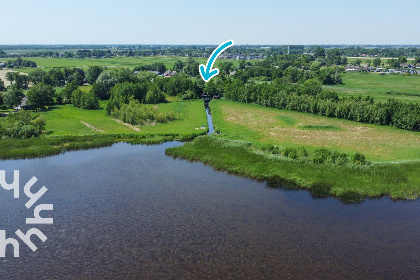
x=263 y=125
x=131 y=62
x=380 y=87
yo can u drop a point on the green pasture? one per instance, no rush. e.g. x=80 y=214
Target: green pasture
x=381 y=87
x=262 y=125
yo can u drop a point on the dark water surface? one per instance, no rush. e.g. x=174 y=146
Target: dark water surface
x=130 y=212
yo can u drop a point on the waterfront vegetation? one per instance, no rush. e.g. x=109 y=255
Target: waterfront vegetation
x=351 y=183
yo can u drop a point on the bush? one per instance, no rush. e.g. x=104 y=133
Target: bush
x=23 y=124
x=321 y=155
x=135 y=113
x=359 y=159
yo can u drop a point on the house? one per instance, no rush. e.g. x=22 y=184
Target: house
x=173 y=73
x=24 y=104
x=155 y=72
x=167 y=73
x=352 y=68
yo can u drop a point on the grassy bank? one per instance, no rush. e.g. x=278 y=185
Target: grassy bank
x=349 y=183
x=47 y=146
x=261 y=125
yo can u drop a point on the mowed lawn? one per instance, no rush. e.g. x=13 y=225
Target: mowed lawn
x=380 y=87
x=263 y=125
x=70 y=120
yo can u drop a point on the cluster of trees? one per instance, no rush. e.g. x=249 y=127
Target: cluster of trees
x=92 y=53
x=23 y=124
x=85 y=100
x=309 y=97
x=293 y=68
x=72 y=94
x=19 y=63
x=124 y=92
x=398 y=61
x=58 y=77
x=135 y=113
x=190 y=67
x=319 y=156
x=157 y=66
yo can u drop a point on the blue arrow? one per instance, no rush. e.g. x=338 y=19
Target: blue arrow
x=206 y=71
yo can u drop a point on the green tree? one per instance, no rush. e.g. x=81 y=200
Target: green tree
x=36 y=76
x=13 y=96
x=402 y=59
x=93 y=73
x=68 y=91
x=377 y=62
x=154 y=95
x=89 y=101
x=76 y=98
x=99 y=91
x=10 y=77
x=2 y=87
x=319 y=52
x=358 y=62
x=39 y=122
x=107 y=79
x=178 y=66
x=312 y=87
x=191 y=67
x=225 y=67
x=41 y=95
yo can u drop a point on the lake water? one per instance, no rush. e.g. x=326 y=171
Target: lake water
x=131 y=212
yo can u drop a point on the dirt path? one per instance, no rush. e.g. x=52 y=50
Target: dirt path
x=3 y=75
x=128 y=125
x=92 y=127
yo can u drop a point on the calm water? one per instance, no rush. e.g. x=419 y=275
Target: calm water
x=130 y=212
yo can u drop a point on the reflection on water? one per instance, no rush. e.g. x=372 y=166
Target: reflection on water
x=209 y=120
x=130 y=212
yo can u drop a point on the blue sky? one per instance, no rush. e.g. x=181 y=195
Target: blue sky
x=209 y=22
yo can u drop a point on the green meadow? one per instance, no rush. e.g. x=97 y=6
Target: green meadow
x=381 y=87
x=261 y=125
x=70 y=120
x=131 y=62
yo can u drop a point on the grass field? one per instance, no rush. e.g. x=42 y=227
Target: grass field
x=72 y=128
x=380 y=87
x=70 y=120
x=257 y=124
x=130 y=62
